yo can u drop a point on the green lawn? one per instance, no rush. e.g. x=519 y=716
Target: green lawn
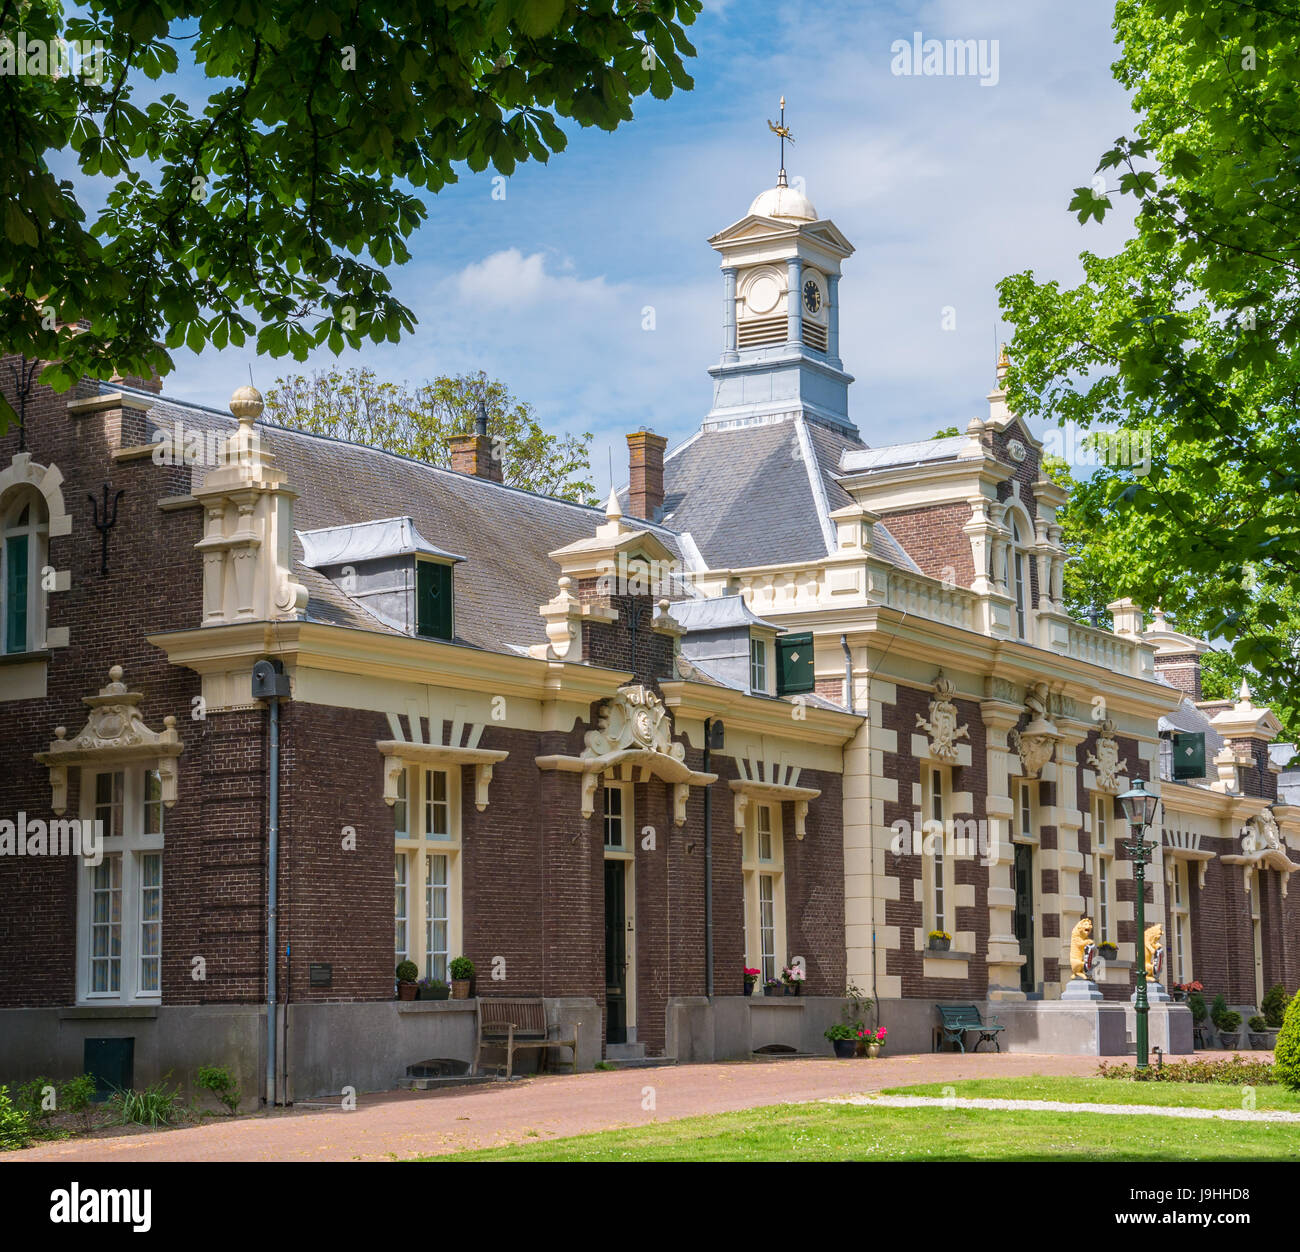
x=830 y=1132
x=1109 y=1091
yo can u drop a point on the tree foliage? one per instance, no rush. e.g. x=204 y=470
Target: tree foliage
x=1190 y=333
x=270 y=209
x=419 y=422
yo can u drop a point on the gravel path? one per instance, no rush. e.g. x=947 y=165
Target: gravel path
x=1067 y=1106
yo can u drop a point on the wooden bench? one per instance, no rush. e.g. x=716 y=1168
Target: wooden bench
x=960 y=1019
x=516 y=1023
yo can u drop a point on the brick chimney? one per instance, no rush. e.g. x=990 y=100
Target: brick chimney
x=1178 y=656
x=646 y=474
x=472 y=454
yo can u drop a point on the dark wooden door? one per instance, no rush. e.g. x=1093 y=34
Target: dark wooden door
x=1024 y=917
x=615 y=952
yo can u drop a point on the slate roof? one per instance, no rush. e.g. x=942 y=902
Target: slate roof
x=503 y=532
x=761 y=495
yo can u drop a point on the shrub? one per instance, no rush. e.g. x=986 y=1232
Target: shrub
x=1196 y=1004
x=1218 y=1008
x=1274 y=1005
x=838 y=1031
x=407 y=971
x=153 y=1107
x=1257 y=1024
x=15 y=1126
x=461 y=968
x=1286 y=1052
x=1233 y=1070
x=77 y=1095
x=32 y=1098
x=222 y=1085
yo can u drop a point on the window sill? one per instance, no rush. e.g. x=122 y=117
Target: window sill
x=435 y=1006
x=24 y=658
x=107 y=1012
x=933 y=954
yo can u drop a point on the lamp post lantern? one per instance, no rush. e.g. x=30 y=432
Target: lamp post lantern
x=1139 y=811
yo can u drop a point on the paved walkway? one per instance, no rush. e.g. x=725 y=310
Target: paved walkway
x=400 y=1125
x=1068 y=1106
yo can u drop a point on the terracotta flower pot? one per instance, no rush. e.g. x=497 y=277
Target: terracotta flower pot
x=407 y=991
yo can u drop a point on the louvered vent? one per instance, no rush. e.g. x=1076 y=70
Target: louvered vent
x=814 y=336
x=760 y=332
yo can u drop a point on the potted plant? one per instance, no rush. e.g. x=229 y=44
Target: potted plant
x=1107 y=950
x=874 y=1039
x=461 y=969
x=793 y=977
x=751 y=980
x=1196 y=1006
x=1273 y=1006
x=842 y=1041
x=1226 y=1021
x=1183 y=989
x=1260 y=1038
x=407 y=973
x=940 y=941
x=433 y=989
x=773 y=987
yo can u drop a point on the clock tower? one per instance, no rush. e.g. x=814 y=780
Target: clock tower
x=780 y=314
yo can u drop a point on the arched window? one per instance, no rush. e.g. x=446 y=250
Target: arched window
x=22 y=557
x=1017 y=576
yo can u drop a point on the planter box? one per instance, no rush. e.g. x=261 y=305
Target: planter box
x=432 y=993
x=940 y=945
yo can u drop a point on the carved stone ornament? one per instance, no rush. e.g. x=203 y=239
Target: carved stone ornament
x=1106 y=761
x=1261 y=834
x=942 y=725
x=634 y=718
x=1016 y=451
x=1037 y=742
x=114 y=734
x=632 y=732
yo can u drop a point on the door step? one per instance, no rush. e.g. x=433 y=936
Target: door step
x=639 y=1062
x=624 y=1051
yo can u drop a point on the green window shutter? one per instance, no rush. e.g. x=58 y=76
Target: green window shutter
x=433 y=616
x=794 y=671
x=1189 y=755
x=16 y=593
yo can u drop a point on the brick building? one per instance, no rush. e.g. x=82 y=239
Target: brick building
x=835 y=680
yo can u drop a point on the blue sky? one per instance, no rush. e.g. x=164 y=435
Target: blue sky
x=943 y=185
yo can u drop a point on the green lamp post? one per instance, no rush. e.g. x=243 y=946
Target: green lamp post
x=1140 y=811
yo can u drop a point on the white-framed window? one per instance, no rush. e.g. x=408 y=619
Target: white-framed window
x=1103 y=868
x=618 y=815
x=24 y=531
x=758 y=665
x=1026 y=821
x=427 y=850
x=1180 y=913
x=763 y=870
x=120 y=898
x=936 y=871
x=1018 y=577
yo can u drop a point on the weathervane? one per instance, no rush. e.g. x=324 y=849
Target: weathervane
x=784 y=131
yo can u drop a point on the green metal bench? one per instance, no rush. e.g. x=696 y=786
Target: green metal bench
x=961 y=1019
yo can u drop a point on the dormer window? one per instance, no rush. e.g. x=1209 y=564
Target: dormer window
x=391 y=571
x=434 y=618
x=757 y=665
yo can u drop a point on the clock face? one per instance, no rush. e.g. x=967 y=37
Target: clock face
x=812 y=296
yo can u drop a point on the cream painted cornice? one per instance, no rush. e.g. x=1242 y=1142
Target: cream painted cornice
x=1180 y=798
x=375 y=654
x=930 y=483
x=742 y=712
x=109 y=400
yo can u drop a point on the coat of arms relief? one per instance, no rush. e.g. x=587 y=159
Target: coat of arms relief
x=942 y=725
x=1037 y=742
x=1106 y=760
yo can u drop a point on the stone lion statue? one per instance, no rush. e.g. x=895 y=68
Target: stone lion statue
x=1082 y=949
x=1153 y=941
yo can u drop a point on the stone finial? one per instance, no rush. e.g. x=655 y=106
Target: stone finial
x=612 y=510
x=246 y=404
x=1244 y=697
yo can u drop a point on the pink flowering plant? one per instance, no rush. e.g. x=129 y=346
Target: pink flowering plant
x=793 y=973
x=751 y=975
x=873 y=1034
